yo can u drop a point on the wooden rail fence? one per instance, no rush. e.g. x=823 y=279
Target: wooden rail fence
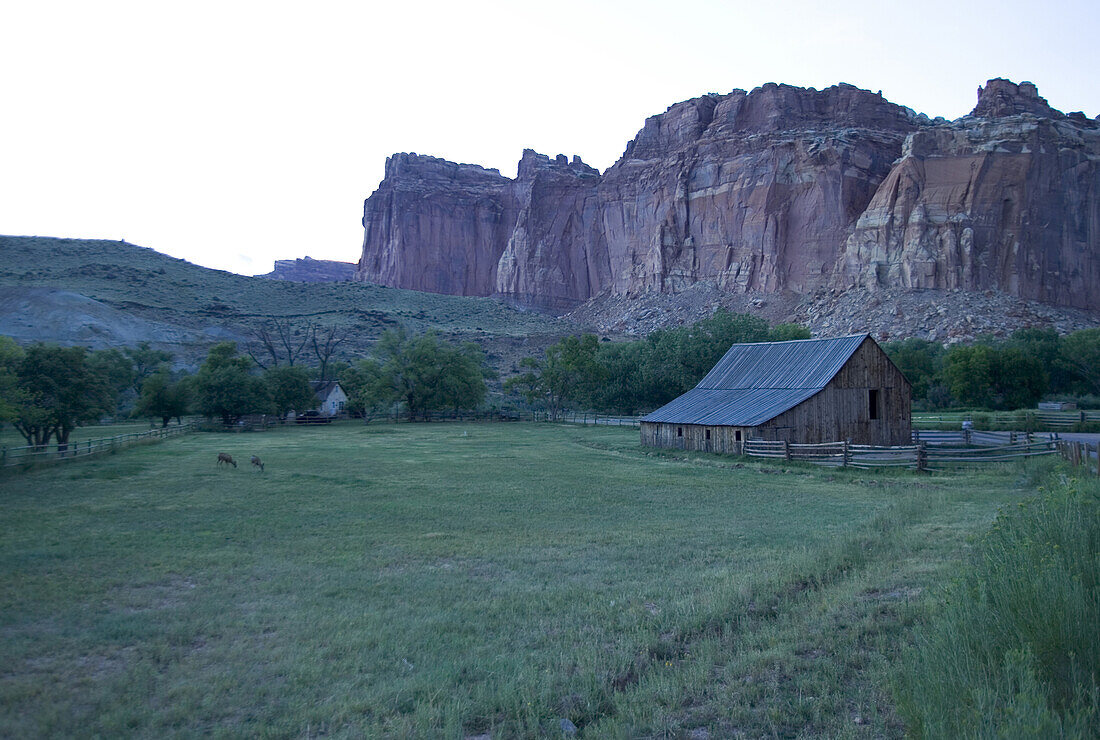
x=1054 y=419
x=1081 y=454
x=921 y=456
x=13 y=456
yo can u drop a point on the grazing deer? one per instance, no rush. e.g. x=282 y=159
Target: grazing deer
x=257 y=462
x=226 y=458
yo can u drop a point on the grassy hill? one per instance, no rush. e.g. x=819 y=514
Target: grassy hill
x=182 y=306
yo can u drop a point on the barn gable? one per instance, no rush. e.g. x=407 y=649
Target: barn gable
x=812 y=390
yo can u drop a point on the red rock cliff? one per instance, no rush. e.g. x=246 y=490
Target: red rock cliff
x=780 y=189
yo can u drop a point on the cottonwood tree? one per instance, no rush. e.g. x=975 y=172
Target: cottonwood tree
x=1081 y=354
x=367 y=388
x=426 y=373
x=289 y=389
x=117 y=370
x=568 y=372
x=61 y=389
x=163 y=399
x=225 y=387
x=11 y=396
x=279 y=342
x=146 y=361
x=325 y=340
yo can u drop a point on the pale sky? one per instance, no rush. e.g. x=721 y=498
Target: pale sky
x=235 y=133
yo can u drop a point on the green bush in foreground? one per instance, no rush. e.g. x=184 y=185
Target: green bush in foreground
x=1015 y=649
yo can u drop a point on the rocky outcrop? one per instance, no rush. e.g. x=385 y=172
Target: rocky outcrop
x=556 y=254
x=782 y=189
x=991 y=201
x=754 y=190
x=436 y=226
x=309 y=270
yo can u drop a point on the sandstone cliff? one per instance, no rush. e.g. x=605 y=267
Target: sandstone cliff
x=781 y=189
x=1005 y=199
x=309 y=270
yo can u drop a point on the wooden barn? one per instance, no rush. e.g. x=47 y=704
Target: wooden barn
x=805 y=391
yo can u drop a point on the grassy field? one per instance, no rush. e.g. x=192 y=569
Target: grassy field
x=455 y=580
x=9 y=437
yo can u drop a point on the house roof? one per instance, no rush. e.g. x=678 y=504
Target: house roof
x=324 y=388
x=753 y=383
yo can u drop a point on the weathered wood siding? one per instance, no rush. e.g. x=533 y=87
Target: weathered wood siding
x=694 y=437
x=840 y=411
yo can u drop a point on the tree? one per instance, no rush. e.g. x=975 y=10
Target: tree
x=787 y=332
x=426 y=373
x=145 y=361
x=920 y=361
x=11 y=395
x=279 y=341
x=1019 y=379
x=325 y=340
x=367 y=387
x=569 y=372
x=163 y=399
x=968 y=374
x=990 y=376
x=621 y=391
x=1081 y=355
x=289 y=389
x=61 y=390
x=117 y=371
x=1045 y=345
x=225 y=387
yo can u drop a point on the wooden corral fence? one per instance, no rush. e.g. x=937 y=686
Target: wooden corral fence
x=1052 y=419
x=602 y=420
x=921 y=456
x=14 y=456
x=1081 y=453
x=973 y=437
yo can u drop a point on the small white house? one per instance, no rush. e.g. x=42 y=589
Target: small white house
x=333 y=400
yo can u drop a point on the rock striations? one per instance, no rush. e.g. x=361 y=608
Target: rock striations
x=309 y=270
x=782 y=189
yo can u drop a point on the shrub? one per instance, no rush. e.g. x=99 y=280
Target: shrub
x=1014 y=649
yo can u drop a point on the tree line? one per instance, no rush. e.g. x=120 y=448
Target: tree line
x=628 y=377
x=1002 y=374
x=47 y=390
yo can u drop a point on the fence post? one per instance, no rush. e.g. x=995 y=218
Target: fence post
x=846 y=456
x=922 y=457
x=966 y=437
x=3 y=457
x=786 y=450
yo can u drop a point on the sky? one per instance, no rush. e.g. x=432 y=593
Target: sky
x=232 y=134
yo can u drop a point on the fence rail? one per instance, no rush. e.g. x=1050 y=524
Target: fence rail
x=921 y=456
x=13 y=456
x=1054 y=419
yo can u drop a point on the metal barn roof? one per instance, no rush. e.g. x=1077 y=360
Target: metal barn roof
x=753 y=383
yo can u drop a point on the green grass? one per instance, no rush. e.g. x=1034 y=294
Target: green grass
x=9 y=437
x=456 y=579
x=1014 y=648
x=154 y=286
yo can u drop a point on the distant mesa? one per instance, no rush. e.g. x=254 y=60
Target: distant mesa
x=309 y=270
x=779 y=190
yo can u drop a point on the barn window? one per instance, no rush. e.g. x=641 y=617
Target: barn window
x=737 y=436
x=708 y=434
x=872 y=403
x=679 y=431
